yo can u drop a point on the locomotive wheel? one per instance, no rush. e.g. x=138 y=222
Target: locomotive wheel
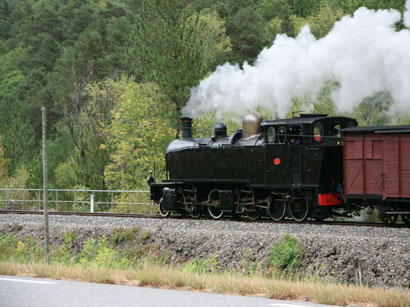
x=195 y=213
x=253 y=215
x=405 y=218
x=255 y=212
x=276 y=210
x=162 y=210
x=299 y=209
x=389 y=219
x=213 y=209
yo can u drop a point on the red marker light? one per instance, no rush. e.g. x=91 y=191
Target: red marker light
x=276 y=161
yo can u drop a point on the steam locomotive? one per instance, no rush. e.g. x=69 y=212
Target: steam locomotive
x=311 y=166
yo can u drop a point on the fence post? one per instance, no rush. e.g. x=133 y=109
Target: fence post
x=112 y=201
x=92 y=203
x=7 y=199
x=57 y=201
x=22 y=199
x=75 y=201
x=131 y=202
x=39 y=199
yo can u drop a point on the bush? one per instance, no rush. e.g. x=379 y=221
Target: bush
x=201 y=266
x=62 y=254
x=284 y=256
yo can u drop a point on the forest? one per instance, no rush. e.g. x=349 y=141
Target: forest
x=114 y=76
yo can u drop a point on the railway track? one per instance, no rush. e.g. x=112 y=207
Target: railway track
x=182 y=217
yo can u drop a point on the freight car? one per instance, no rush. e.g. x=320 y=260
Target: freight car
x=309 y=166
x=377 y=170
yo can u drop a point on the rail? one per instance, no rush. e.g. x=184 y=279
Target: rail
x=72 y=200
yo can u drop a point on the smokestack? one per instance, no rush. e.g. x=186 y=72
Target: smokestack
x=186 y=127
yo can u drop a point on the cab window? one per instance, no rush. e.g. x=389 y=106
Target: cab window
x=335 y=130
x=282 y=135
x=318 y=132
x=295 y=135
x=271 y=135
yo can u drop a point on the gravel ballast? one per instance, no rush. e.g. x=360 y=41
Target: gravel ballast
x=349 y=254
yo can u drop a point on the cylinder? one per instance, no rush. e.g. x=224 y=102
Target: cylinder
x=186 y=123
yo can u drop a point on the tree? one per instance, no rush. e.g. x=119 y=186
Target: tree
x=139 y=135
x=374 y=110
x=349 y=6
x=170 y=48
x=248 y=32
x=5 y=12
x=279 y=15
x=323 y=20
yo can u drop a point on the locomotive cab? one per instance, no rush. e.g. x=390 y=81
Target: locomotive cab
x=303 y=153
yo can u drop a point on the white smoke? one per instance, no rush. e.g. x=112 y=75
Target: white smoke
x=363 y=53
x=406 y=16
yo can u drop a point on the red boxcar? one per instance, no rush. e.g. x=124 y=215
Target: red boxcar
x=376 y=162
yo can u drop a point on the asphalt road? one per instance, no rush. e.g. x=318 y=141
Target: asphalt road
x=35 y=292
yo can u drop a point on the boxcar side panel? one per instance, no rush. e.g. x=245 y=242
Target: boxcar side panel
x=405 y=165
x=363 y=165
x=391 y=166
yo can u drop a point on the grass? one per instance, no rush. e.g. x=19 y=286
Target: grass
x=154 y=275
x=128 y=256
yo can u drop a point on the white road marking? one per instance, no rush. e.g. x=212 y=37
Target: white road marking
x=28 y=281
x=286 y=305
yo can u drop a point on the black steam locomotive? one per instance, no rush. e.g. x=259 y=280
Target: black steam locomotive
x=291 y=167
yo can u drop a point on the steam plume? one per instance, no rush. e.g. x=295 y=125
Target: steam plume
x=363 y=53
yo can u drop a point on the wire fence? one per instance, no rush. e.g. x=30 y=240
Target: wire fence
x=115 y=201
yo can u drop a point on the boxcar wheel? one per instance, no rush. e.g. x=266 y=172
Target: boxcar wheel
x=213 y=200
x=299 y=209
x=276 y=210
x=389 y=219
x=162 y=210
x=406 y=218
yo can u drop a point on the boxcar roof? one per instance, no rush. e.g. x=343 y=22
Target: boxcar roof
x=378 y=129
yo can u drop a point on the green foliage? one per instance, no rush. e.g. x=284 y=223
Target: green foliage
x=22 y=251
x=3 y=164
x=120 y=235
x=284 y=256
x=322 y=21
x=201 y=266
x=321 y=103
x=139 y=134
x=7 y=246
x=63 y=254
x=97 y=254
x=374 y=110
x=250 y=265
x=349 y=6
x=174 y=46
x=77 y=58
x=88 y=253
x=248 y=32
x=105 y=255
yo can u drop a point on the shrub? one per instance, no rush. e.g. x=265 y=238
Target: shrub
x=284 y=255
x=201 y=266
x=62 y=254
x=7 y=246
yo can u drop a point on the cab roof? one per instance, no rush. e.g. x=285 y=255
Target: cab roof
x=303 y=119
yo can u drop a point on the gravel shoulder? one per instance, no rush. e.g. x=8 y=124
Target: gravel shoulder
x=346 y=254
